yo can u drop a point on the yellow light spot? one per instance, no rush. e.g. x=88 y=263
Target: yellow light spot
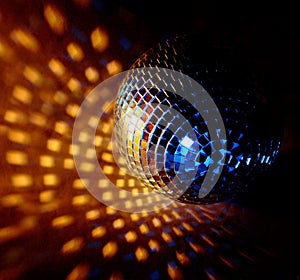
x=182 y=258
x=54 y=145
x=144 y=228
x=118 y=224
x=107 y=169
x=33 y=75
x=177 y=231
x=114 y=67
x=78 y=184
x=141 y=254
x=74 y=85
x=75 y=51
x=38 y=119
x=208 y=240
x=73 y=149
x=99 y=39
x=73 y=246
x=167 y=237
x=47 y=196
x=156 y=222
x=197 y=248
x=68 y=163
x=21 y=180
x=108 y=157
x=55 y=19
x=131 y=236
x=16 y=157
x=62 y=221
x=80 y=272
x=174 y=272
x=110 y=211
x=92 y=214
x=50 y=179
x=47 y=161
x=72 y=110
x=92 y=74
x=25 y=39
x=187 y=226
x=56 y=67
x=11 y=200
x=107 y=196
x=87 y=167
x=120 y=183
x=110 y=249
x=81 y=200
x=167 y=218
x=98 y=232
x=154 y=245
x=61 y=127
x=134 y=217
x=22 y=94
x=13 y=116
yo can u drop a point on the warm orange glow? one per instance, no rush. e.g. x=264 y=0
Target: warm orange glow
x=74 y=85
x=14 y=116
x=47 y=161
x=174 y=272
x=54 y=145
x=78 y=184
x=79 y=200
x=99 y=39
x=46 y=196
x=33 y=75
x=154 y=245
x=62 y=221
x=6 y=52
x=22 y=94
x=110 y=250
x=38 y=119
x=131 y=236
x=61 y=127
x=16 y=157
x=167 y=237
x=156 y=222
x=75 y=51
x=183 y=258
x=73 y=246
x=98 y=232
x=197 y=248
x=72 y=110
x=21 y=180
x=92 y=214
x=144 y=228
x=114 y=67
x=118 y=224
x=92 y=74
x=79 y=272
x=25 y=39
x=56 y=67
x=50 y=180
x=11 y=200
x=141 y=254
x=55 y=19
x=68 y=163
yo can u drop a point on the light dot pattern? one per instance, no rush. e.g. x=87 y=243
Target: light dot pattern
x=50 y=226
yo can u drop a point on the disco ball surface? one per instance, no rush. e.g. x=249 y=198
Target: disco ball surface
x=164 y=161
